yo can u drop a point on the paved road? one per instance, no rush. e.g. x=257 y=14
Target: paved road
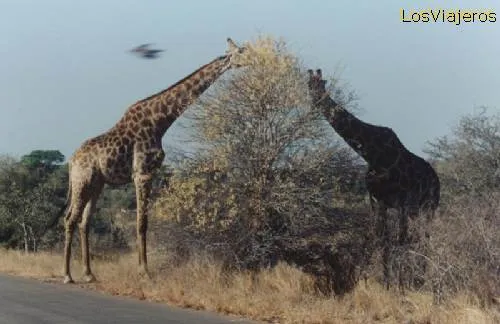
x=29 y=301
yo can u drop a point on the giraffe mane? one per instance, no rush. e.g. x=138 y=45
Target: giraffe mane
x=182 y=80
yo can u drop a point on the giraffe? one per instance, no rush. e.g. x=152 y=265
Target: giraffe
x=132 y=151
x=396 y=178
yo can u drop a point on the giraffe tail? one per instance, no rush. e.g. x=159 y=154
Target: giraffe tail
x=55 y=219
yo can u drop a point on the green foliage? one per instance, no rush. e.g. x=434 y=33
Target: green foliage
x=33 y=190
x=42 y=158
x=28 y=199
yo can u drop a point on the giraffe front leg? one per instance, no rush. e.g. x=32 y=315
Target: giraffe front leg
x=84 y=241
x=404 y=217
x=403 y=229
x=143 y=189
x=383 y=236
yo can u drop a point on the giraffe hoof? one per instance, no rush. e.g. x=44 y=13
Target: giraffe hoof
x=89 y=278
x=144 y=274
x=68 y=280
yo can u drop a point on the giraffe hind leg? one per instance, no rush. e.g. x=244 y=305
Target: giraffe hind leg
x=68 y=238
x=407 y=268
x=81 y=183
x=89 y=210
x=73 y=215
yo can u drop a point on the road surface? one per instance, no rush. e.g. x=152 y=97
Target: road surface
x=29 y=301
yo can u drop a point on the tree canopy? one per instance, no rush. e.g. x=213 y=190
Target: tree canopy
x=42 y=158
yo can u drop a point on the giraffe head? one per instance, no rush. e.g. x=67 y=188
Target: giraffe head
x=317 y=86
x=235 y=54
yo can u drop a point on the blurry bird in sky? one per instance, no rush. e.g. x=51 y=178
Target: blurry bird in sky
x=145 y=51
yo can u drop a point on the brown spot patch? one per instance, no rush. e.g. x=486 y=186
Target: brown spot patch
x=187 y=85
x=130 y=133
x=143 y=134
x=141 y=146
x=170 y=99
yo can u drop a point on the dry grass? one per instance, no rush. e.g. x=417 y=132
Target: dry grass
x=283 y=294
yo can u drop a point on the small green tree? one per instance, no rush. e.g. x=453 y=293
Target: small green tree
x=43 y=158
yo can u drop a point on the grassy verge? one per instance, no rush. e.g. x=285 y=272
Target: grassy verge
x=283 y=294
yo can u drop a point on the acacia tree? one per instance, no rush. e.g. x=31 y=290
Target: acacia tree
x=468 y=160
x=26 y=203
x=464 y=249
x=43 y=158
x=268 y=166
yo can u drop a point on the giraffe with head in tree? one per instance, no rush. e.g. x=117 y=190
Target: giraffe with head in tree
x=396 y=178
x=132 y=151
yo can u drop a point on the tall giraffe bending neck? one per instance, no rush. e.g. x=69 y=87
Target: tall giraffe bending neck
x=132 y=151
x=396 y=178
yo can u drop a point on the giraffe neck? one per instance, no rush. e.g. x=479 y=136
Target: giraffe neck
x=159 y=111
x=368 y=140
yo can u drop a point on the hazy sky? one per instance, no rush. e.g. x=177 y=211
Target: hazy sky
x=65 y=74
